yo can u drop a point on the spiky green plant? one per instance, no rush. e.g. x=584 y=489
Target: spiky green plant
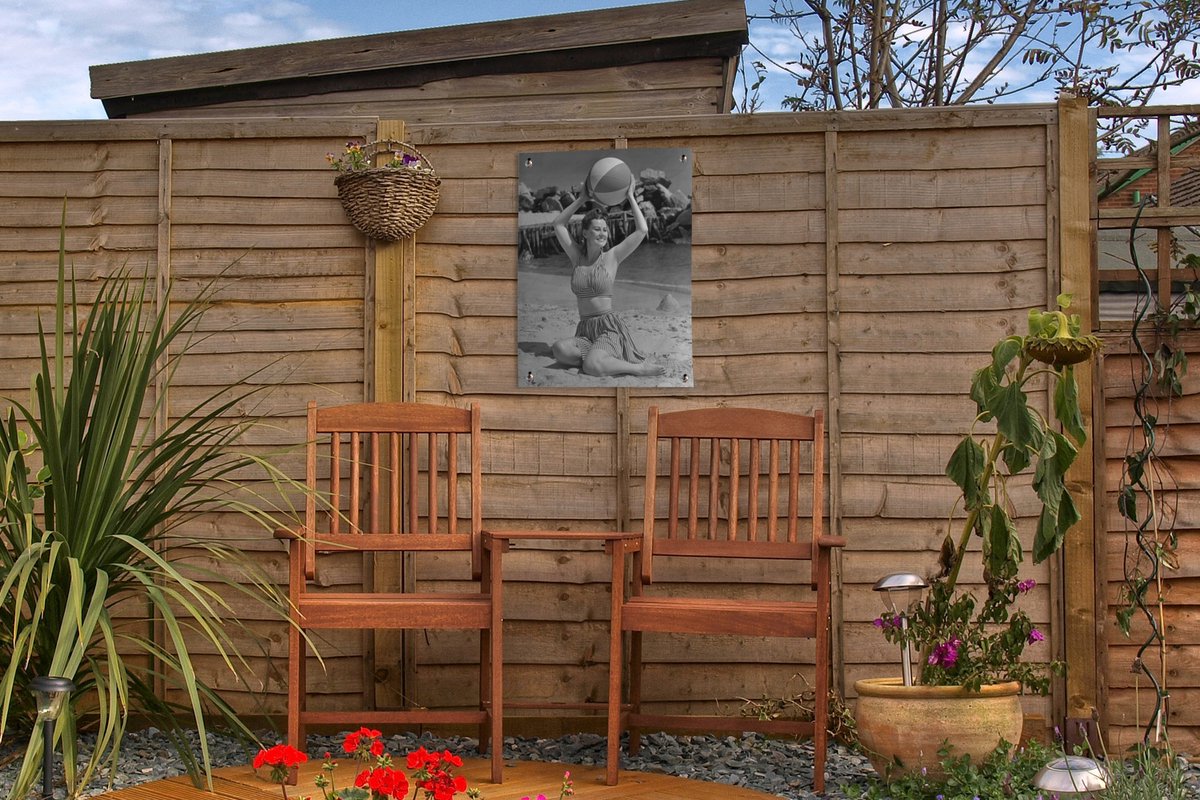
x=92 y=498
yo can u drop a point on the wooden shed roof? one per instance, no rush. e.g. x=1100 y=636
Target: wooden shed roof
x=583 y=40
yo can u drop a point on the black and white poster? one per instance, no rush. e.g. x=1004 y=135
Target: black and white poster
x=604 y=268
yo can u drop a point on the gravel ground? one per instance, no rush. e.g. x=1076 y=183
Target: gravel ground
x=775 y=766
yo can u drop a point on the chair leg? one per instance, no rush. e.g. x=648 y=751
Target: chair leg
x=821 y=711
x=615 y=636
x=297 y=652
x=485 y=690
x=493 y=676
x=635 y=689
x=496 y=717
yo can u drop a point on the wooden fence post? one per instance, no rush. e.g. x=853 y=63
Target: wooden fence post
x=391 y=289
x=1083 y=611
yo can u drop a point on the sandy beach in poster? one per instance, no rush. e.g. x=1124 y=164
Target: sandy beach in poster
x=660 y=319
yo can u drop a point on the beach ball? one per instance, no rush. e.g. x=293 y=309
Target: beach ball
x=608 y=181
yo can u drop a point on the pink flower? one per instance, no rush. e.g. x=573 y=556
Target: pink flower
x=1036 y=636
x=1026 y=585
x=945 y=654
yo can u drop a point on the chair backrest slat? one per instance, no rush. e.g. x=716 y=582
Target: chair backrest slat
x=373 y=521
x=693 y=486
x=335 y=479
x=395 y=500
x=794 y=490
x=752 y=493
x=404 y=455
x=452 y=483
x=752 y=510
x=355 y=482
x=431 y=445
x=714 y=486
x=735 y=477
x=773 y=491
x=673 y=518
x=411 y=483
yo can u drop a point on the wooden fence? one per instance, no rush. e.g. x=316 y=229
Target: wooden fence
x=861 y=263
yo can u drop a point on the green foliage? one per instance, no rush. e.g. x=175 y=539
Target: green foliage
x=958 y=645
x=1007 y=774
x=1150 y=773
x=969 y=644
x=91 y=496
x=1170 y=361
x=1139 y=478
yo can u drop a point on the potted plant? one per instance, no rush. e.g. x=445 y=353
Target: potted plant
x=385 y=199
x=971 y=667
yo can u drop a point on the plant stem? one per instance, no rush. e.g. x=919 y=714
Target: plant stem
x=999 y=442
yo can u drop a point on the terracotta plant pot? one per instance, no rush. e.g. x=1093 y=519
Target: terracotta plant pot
x=909 y=724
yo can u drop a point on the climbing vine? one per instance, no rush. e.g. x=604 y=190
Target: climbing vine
x=1151 y=549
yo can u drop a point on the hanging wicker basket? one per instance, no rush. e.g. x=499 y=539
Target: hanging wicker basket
x=389 y=203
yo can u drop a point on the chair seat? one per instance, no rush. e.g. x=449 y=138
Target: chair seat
x=443 y=611
x=719 y=616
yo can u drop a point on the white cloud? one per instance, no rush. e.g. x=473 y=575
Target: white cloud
x=49 y=47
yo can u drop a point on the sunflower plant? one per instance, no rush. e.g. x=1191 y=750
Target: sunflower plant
x=962 y=641
x=92 y=494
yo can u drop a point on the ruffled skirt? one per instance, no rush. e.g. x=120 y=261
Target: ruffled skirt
x=607 y=331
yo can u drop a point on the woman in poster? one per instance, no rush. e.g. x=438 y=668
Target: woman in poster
x=602 y=346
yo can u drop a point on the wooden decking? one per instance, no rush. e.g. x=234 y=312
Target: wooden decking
x=521 y=779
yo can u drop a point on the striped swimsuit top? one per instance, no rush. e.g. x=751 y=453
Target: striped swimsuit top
x=595 y=279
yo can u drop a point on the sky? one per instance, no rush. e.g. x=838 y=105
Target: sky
x=48 y=45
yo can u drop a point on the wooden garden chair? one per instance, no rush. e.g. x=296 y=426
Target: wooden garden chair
x=430 y=501
x=735 y=483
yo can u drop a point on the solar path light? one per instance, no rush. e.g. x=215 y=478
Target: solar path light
x=1072 y=776
x=901 y=591
x=50 y=694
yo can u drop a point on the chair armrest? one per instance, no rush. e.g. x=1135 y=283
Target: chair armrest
x=287 y=533
x=567 y=536
x=827 y=540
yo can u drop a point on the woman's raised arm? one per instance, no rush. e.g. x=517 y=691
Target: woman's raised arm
x=627 y=245
x=563 y=235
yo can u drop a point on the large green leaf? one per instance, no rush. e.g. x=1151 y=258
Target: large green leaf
x=1003 y=354
x=984 y=384
x=1066 y=405
x=1127 y=503
x=1002 y=546
x=1052 y=529
x=1015 y=419
x=1051 y=469
x=965 y=468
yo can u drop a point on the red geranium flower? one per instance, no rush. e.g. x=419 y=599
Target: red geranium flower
x=372 y=745
x=377 y=778
x=280 y=758
x=383 y=782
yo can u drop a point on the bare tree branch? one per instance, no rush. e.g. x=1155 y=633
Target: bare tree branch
x=871 y=53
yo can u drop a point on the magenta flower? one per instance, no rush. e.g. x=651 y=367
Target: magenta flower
x=945 y=654
x=878 y=622
x=1026 y=585
x=1036 y=636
